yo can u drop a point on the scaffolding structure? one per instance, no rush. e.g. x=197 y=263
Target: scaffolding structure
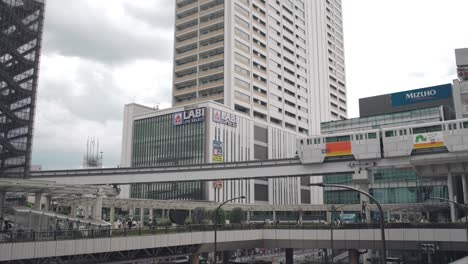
x=21 y=25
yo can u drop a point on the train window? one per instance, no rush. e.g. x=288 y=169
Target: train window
x=337 y=139
x=420 y=130
x=389 y=133
x=465 y=124
x=403 y=132
x=302 y=142
x=372 y=135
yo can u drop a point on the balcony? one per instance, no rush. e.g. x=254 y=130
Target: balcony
x=186 y=66
x=212 y=34
x=186 y=19
x=212 y=59
x=211 y=71
x=185 y=91
x=260 y=47
x=211 y=98
x=212 y=10
x=212 y=46
x=185 y=78
x=186 y=42
x=187 y=7
x=211 y=22
x=186 y=54
x=187 y=30
x=210 y=85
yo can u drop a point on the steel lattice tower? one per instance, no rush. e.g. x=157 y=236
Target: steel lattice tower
x=21 y=24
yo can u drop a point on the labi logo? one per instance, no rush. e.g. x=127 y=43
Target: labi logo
x=178 y=118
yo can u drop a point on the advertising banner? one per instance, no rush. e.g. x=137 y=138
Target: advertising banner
x=428 y=140
x=189 y=117
x=336 y=149
x=225 y=118
x=422 y=95
x=217 y=151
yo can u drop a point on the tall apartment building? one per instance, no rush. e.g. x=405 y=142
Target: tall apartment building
x=21 y=24
x=278 y=61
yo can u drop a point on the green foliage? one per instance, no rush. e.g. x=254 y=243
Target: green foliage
x=199 y=214
x=221 y=216
x=236 y=216
x=188 y=221
x=163 y=222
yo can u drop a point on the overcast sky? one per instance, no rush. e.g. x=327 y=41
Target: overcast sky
x=101 y=54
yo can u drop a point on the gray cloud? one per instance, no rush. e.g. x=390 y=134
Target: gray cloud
x=160 y=14
x=73 y=28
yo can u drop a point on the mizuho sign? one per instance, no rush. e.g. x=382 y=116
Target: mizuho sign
x=189 y=117
x=422 y=95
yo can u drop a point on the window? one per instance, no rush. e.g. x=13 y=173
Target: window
x=242 y=46
x=242 y=71
x=242 y=34
x=372 y=135
x=420 y=130
x=242 y=96
x=338 y=139
x=242 y=58
x=241 y=84
x=389 y=133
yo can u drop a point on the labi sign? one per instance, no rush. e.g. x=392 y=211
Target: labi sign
x=189 y=117
x=422 y=95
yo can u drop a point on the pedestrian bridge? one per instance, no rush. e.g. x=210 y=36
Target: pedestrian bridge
x=101 y=245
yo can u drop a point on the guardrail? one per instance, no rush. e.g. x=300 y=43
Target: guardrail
x=33 y=236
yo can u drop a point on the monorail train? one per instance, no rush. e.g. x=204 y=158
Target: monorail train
x=446 y=136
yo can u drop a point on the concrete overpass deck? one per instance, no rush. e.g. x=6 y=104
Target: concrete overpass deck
x=445 y=237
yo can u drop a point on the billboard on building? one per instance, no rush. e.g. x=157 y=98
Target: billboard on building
x=337 y=149
x=217 y=151
x=421 y=95
x=428 y=140
x=189 y=117
x=225 y=118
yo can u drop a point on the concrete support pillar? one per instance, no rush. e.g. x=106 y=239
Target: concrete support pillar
x=274 y=216
x=451 y=194
x=142 y=217
x=2 y=206
x=248 y=216
x=37 y=201
x=97 y=210
x=353 y=256
x=47 y=203
x=112 y=215
x=389 y=215
x=130 y=212
x=289 y=256
x=465 y=189
x=329 y=217
x=73 y=211
x=162 y=213
x=151 y=214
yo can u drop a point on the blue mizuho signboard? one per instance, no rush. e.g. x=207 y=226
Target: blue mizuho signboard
x=422 y=95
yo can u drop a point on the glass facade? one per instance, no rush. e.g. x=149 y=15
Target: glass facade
x=434 y=114
x=342 y=178
x=419 y=194
x=157 y=141
x=20 y=49
x=169 y=191
x=341 y=197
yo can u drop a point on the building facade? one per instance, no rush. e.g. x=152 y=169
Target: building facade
x=277 y=61
x=460 y=85
x=207 y=133
x=20 y=49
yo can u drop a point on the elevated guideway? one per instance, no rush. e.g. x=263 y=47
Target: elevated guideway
x=119 y=243
x=428 y=165
x=209 y=172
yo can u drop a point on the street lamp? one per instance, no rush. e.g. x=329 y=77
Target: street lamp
x=383 y=255
x=216 y=225
x=463 y=206
x=333 y=211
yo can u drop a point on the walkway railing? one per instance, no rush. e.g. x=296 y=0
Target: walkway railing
x=33 y=236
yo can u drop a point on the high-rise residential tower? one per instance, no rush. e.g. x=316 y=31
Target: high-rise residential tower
x=278 y=61
x=21 y=24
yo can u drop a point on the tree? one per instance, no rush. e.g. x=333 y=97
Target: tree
x=198 y=215
x=237 y=216
x=221 y=216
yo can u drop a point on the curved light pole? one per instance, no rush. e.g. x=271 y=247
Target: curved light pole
x=383 y=255
x=463 y=206
x=216 y=226
x=333 y=211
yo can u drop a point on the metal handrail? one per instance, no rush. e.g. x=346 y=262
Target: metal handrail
x=73 y=234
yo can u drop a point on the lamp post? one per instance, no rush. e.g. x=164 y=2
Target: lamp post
x=333 y=211
x=216 y=225
x=463 y=206
x=383 y=255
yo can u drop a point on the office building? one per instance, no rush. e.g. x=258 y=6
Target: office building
x=20 y=49
x=207 y=133
x=460 y=85
x=276 y=61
